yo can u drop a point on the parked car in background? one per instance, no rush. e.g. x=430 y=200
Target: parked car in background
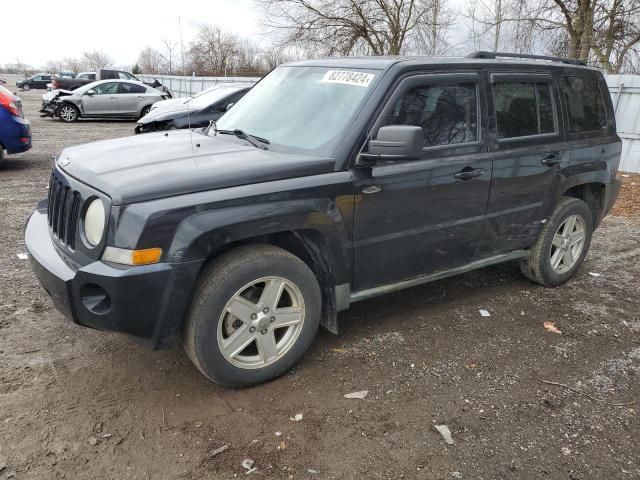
x=37 y=81
x=193 y=112
x=85 y=78
x=15 y=130
x=104 y=98
x=3 y=81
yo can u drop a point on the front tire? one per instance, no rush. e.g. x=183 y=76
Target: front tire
x=68 y=113
x=255 y=313
x=26 y=87
x=562 y=245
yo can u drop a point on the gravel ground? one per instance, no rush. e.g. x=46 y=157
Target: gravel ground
x=82 y=404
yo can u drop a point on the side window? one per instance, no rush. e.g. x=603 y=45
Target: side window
x=131 y=88
x=106 y=89
x=447 y=113
x=586 y=106
x=36 y=79
x=523 y=109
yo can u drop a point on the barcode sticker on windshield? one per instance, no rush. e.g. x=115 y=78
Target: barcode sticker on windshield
x=357 y=79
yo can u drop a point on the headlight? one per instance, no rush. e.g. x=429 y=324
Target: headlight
x=94 y=220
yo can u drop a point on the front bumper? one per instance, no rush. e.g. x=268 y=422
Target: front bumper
x=147 y=303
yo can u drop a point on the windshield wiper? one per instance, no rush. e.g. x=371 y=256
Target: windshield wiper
x=257 y=142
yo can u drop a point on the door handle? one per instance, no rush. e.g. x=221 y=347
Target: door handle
x=467 y=173
x=552 y=159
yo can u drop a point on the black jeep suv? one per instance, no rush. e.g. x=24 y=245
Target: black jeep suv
x=330 y=182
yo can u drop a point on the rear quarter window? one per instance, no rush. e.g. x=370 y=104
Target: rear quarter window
x=586 y=105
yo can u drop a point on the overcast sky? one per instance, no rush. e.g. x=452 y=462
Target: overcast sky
x=43 y=30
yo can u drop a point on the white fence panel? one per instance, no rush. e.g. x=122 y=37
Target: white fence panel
x=187 y=86
x=625 y=93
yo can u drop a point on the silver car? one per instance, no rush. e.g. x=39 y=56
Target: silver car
x=106 y=98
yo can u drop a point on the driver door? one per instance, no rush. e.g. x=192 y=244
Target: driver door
x=104 y=100
x=425 y=215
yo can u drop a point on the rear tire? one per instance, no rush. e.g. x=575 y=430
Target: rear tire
x=1 y=155
x=562 y=245
x=255 y=312
x=145 y=111
x=68 y=113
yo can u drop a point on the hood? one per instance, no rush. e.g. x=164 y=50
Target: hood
x=172 y=102
x=156 y=165
x=165 y=112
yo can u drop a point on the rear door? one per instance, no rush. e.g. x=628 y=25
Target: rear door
x=416 y=217
x=131 y=98
x=103 y=102
x=528 y=148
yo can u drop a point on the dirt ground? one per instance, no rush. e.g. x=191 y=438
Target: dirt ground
x=83 y=404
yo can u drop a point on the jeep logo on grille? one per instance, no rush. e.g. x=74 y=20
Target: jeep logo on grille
x=63 y=162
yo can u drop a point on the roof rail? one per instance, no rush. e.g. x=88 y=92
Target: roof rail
x=484 y=54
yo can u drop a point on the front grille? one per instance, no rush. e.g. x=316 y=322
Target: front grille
x=64 y=208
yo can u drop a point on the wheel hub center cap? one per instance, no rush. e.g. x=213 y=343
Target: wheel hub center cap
x=262 y=321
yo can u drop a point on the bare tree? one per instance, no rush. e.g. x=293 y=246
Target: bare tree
x=73 y=64
x=96 y=60
x=346 y=27
x=433 y=32
x=212 y=51
x=151 y=61
x=602 y=31
x=55 y=66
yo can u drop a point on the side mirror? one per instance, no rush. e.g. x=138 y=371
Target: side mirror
x=396 y=142
x=90 y=92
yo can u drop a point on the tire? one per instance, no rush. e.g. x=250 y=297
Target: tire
x=562 y=246
x=1 y=155
x=68 y=113
x=145 y=111
x=262 y=348
x=26 y=87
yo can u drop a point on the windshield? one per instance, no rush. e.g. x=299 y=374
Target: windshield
x=304 y=109
x=206 y=99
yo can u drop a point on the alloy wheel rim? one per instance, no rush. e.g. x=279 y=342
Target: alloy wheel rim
x=261 y=322
x=567 y=244
x=67 y=113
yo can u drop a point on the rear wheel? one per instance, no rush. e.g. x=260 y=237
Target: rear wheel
x=562 y=245
x=145 y=111
x=254 y=315
x=1 y=155
x=68 y=113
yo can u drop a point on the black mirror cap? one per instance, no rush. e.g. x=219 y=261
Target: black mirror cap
x=399 y=142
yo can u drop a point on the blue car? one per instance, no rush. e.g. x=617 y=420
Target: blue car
x=15 y=130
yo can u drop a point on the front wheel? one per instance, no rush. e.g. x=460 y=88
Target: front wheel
x=68 y=113
x=255 y=313
x=26 y=87
x=562 y=245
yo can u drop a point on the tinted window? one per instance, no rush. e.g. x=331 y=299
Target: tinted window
x=448 y=114
x=131 y=88
x=523 y=109
x=586 y=106
x=106 y=89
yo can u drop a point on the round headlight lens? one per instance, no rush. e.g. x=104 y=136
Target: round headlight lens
x=94 y=220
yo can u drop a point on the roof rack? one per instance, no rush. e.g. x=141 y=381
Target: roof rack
x=484 y=54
